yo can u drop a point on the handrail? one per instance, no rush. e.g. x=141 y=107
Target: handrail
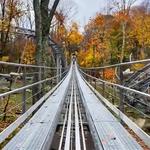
x=117 y=85
x=143 y=135
x=25 y=65
x=120 y=64
x=29 y=86
x=12 y=127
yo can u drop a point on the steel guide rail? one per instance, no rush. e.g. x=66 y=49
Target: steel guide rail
x=72 y=120
x=72 y=131
x=77 y=125
x=69 y=123
x=63 y=129
x=80 y=119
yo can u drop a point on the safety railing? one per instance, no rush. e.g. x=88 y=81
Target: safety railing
x=23 y=89
x=116 y=97
x=126 y=86
x=135 y=74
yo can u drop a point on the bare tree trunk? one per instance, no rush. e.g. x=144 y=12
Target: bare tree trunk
x=125 y=8
x=7 y=102
x=123 y=41
x=2 y=29
x=43 y=21
x=38 y=54
x=46 y=22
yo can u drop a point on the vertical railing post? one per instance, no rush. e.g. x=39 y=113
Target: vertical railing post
x=103 y=76
x=113 y=95
x=24 y=91
x=91 y=78
x=121 y=104
x=60 y=70
x=95 y=78
x=40 y=78
x=43 y=78
x=58 y=66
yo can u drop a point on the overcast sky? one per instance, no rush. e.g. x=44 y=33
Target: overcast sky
x=88 y=8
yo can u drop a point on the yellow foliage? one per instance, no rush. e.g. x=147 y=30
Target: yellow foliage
x=28 y=53
x=74 y=36
x=5 y=58
x=137 y=66
x=12 y=11
x=95 y=44
x=141 y=24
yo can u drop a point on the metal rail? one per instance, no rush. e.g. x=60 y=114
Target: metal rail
x=63 y=129
x=82 y=130
x=120 y=64
x=38 y=132
x=28 y=86
x=11 y=128
x=68 y=134
x=25 y=65
x=104 y=125
x=72 y=134
x=77 y=125
x=145 y=137
x=117 y=85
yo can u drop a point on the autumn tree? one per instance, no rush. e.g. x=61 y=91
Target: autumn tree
x=139 y=30
x=43 y=19
x=10 y=9
x=94 y=42
x=74 y=38
x=123 y=13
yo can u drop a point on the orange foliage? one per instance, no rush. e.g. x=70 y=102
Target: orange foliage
x=109 y=74
x=121 y=16
x=94 y=50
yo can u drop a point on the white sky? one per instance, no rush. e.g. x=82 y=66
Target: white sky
x=88 y=8
x=84 y=9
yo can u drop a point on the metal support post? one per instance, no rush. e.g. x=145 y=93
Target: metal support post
x=58 y=66
x=103 y=74
x=24 y=91
x=121 y=104
x=95 y=79
x=60 y=71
